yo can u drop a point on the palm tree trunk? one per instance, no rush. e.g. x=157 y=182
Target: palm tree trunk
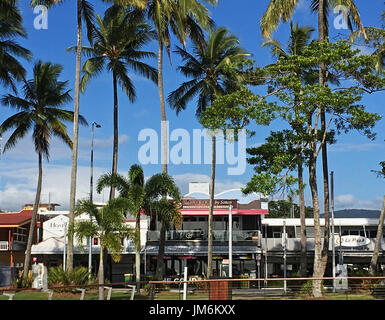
x=162 y=108
x=27 y=259
x=137 y=252
x=302 y=214
x=116 y=134
x=101 y=273
x=160 y=262
x=373 y=261
x=211 y=209
x=69 y=264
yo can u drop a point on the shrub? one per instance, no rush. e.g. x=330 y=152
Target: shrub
x=22 y=283
x=307 y=288
x=61 y=278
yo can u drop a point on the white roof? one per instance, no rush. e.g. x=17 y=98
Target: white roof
x=310 y=222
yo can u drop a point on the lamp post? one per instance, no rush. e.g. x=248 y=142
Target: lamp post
x=94 y=124
x=230 y=241
x=333 y=242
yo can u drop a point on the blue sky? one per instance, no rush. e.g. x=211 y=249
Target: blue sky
x=351 y=158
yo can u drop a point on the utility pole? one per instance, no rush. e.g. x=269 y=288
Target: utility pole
x=333 y=242
x=284 y=255
x=230 y=242
x=94 y=124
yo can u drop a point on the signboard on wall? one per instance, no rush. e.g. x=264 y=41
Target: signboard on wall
x=54 y=227
x=351 y=241
x=205 y=203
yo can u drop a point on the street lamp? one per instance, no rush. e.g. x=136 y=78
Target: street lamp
x=94 y=125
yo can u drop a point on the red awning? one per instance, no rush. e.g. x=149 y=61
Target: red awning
x=15 y=219
x=225 y=212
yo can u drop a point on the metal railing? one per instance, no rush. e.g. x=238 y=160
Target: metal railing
x=218 y=235
x=357 y=288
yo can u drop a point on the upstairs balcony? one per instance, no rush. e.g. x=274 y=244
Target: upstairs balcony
x=199 y=235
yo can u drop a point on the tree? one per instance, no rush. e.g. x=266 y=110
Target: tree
x=11 y=27
x=184 y=19
x=108 y=225
x=284 y=150
x=84 y=11
x=117 y=43
x=132 y=189
x=355 y=76
x=287 y=209
x=162 y=201
x=283 y=10
x=380 y=229
x=206 y=68
x=40 y=111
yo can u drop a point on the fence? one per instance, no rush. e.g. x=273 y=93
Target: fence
x=350 y=288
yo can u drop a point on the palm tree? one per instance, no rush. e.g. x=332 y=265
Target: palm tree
x=299 y=39
x=11 y=27
x=40 y=111
x=206 y=67
x=116 y=44
x=283 y=10
x=132 y=189
x=108 y=225
x=84 y=12
x=184 y=19
x=162 y=199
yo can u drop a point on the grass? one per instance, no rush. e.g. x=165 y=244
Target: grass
x=166 y=295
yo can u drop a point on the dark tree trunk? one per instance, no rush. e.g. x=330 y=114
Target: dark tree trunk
x=160 y=262
x=27 y=258
x=162 y=108
x=211 y=210
x=116 y=134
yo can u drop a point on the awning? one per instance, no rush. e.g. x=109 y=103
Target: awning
x=205 y=212
x=200 y=250
x=55 y=245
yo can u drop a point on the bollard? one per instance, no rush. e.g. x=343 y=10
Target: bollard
x=10 y=295
x=83 y=292
x=109 y=292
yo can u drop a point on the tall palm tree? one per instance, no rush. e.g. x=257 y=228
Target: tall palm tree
x=117 y=43
x=184 y=18
x=39 y=110
x=108 y=225
x=132 y=189
x=283 y=10
x=206 y=68
x=84 y=12
x=11 y=27
x=162 y=202
x=299 y=39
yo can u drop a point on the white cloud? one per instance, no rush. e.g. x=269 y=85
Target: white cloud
x=354 y=147
x=349 y=201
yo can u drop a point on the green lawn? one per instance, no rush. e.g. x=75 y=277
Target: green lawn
x=165 y=295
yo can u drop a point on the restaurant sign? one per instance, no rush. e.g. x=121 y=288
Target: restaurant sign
x=205 y=203
x=351 y=241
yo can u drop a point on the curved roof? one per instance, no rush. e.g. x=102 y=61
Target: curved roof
x=228 y=194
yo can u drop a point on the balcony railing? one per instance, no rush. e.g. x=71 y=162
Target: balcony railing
x=3 y=245
x=218 y=235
